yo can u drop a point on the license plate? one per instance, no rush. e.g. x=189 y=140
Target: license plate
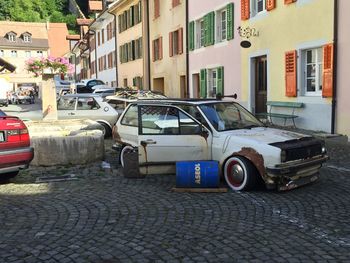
x=2 y=137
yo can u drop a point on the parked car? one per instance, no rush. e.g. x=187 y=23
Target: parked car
x=167 y=131
x=85 y=85
x=87 y=106
x=124 y=96
x=15 y=150
x=104 y=92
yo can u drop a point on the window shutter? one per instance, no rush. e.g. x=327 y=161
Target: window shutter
x=154 y=50
x=134 y=82
x=191 y=35
x=286 y=2
x=220 y=84
x=327 y=89
x=212 y=28
x=171 y=44
x=156 y=8
x=291 y=73
x=180 y=41
x=206 y=30
x=270 y=4
x=160 y=48
x=230 y=21
x=245 y=9
x=203 y=83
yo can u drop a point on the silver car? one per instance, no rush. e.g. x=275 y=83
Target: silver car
x=87 y=106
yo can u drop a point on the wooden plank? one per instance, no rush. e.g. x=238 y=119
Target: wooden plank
x=287 y=104
x=199 y=190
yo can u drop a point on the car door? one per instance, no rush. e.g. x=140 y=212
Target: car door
x=66 y=107
x=168 y=134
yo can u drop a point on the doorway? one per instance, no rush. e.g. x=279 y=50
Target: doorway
x=260 y=67
x=183 y=87
x=158 y=85
x=195 y=85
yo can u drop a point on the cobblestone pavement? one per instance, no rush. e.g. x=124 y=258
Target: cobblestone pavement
x=104 y=217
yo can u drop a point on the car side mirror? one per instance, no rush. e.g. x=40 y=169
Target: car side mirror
x=204 y=131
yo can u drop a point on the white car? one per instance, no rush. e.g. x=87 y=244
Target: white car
x=87 y=106
x=167 y=131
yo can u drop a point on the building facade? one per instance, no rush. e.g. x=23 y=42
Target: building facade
x=131 y=39
x=20 y=41
x=103 y=48
x=214 y=58
x=167 y=41
x=290 y=57
x=342 y=106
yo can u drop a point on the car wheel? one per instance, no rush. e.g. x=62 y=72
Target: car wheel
x=125 y=150
x=108 y=130
x=240 y=173
x=7 y=176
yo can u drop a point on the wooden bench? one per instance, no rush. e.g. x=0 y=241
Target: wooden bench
x=281 y=104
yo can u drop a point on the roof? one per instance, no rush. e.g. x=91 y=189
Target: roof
x=73 y=37
x=84 y=21
x=95 y=6
x=38 y=30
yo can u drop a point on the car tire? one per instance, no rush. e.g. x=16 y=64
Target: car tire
x=7 y=176
x=126 y=149
x=240 y=174
x=108 y=130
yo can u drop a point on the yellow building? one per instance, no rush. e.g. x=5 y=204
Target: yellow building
x=167 y=27
x=131 y=42
x=290 y=58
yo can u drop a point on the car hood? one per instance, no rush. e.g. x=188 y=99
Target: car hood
x=265 y=135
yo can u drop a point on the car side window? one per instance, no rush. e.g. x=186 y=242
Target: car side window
x=87 y=104
x=130 y=117
x=66 y=103
x=166 y=121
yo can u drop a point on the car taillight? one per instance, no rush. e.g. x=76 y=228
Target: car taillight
x=17 y=135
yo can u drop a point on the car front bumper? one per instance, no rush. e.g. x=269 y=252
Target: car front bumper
x=294 y=174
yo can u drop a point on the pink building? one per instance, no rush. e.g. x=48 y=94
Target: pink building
x=214 y=48
x=342 y=124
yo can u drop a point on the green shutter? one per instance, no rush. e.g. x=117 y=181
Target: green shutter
x=134 y=82
x=191 y=35
x=212 y=28
x=203 y=83
x=220 y=81
x=209 y=29
x=230 y=21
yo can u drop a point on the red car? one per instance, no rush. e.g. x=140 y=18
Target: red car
x=15 y=150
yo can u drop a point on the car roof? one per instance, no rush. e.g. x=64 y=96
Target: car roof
x=81 y=95
x=180 y=101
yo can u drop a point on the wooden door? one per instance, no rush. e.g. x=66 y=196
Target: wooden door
x=260 y=84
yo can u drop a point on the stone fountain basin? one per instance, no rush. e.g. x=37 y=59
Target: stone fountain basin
x=66 y=142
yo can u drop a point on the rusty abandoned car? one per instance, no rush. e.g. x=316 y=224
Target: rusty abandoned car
x=166 y=131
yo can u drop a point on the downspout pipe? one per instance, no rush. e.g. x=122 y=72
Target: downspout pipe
x=148 y=45
x=335 y=65
x=187 y=49
x=115 y=47
x=94 y=32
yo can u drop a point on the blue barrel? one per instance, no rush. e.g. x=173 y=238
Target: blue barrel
x=197 y=174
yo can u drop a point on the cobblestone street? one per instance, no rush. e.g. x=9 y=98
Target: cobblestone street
x=104 y=217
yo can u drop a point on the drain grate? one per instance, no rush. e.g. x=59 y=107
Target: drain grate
x=61 y=178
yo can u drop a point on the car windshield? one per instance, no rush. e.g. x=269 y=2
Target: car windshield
x=226 y=116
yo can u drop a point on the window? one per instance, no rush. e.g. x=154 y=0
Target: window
x=131 y=117
x=258 y=6
x=87 y=104
x=66 y=103
x=137 y=82
x=156 y=8
x=200 y=33
x=222 y=25
x=162 y=120
x=99 y=38
x=313 y=71
x=176 y=42
x=39 y=53
x=130 y=17
x=103 y=35
x=28 y=54
x=11 y=37
x=175 y=3
x=157 y=49
x=27 y=38
x=213 y=82
x=13 y=53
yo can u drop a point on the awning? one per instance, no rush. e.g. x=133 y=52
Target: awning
x=4 y=65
